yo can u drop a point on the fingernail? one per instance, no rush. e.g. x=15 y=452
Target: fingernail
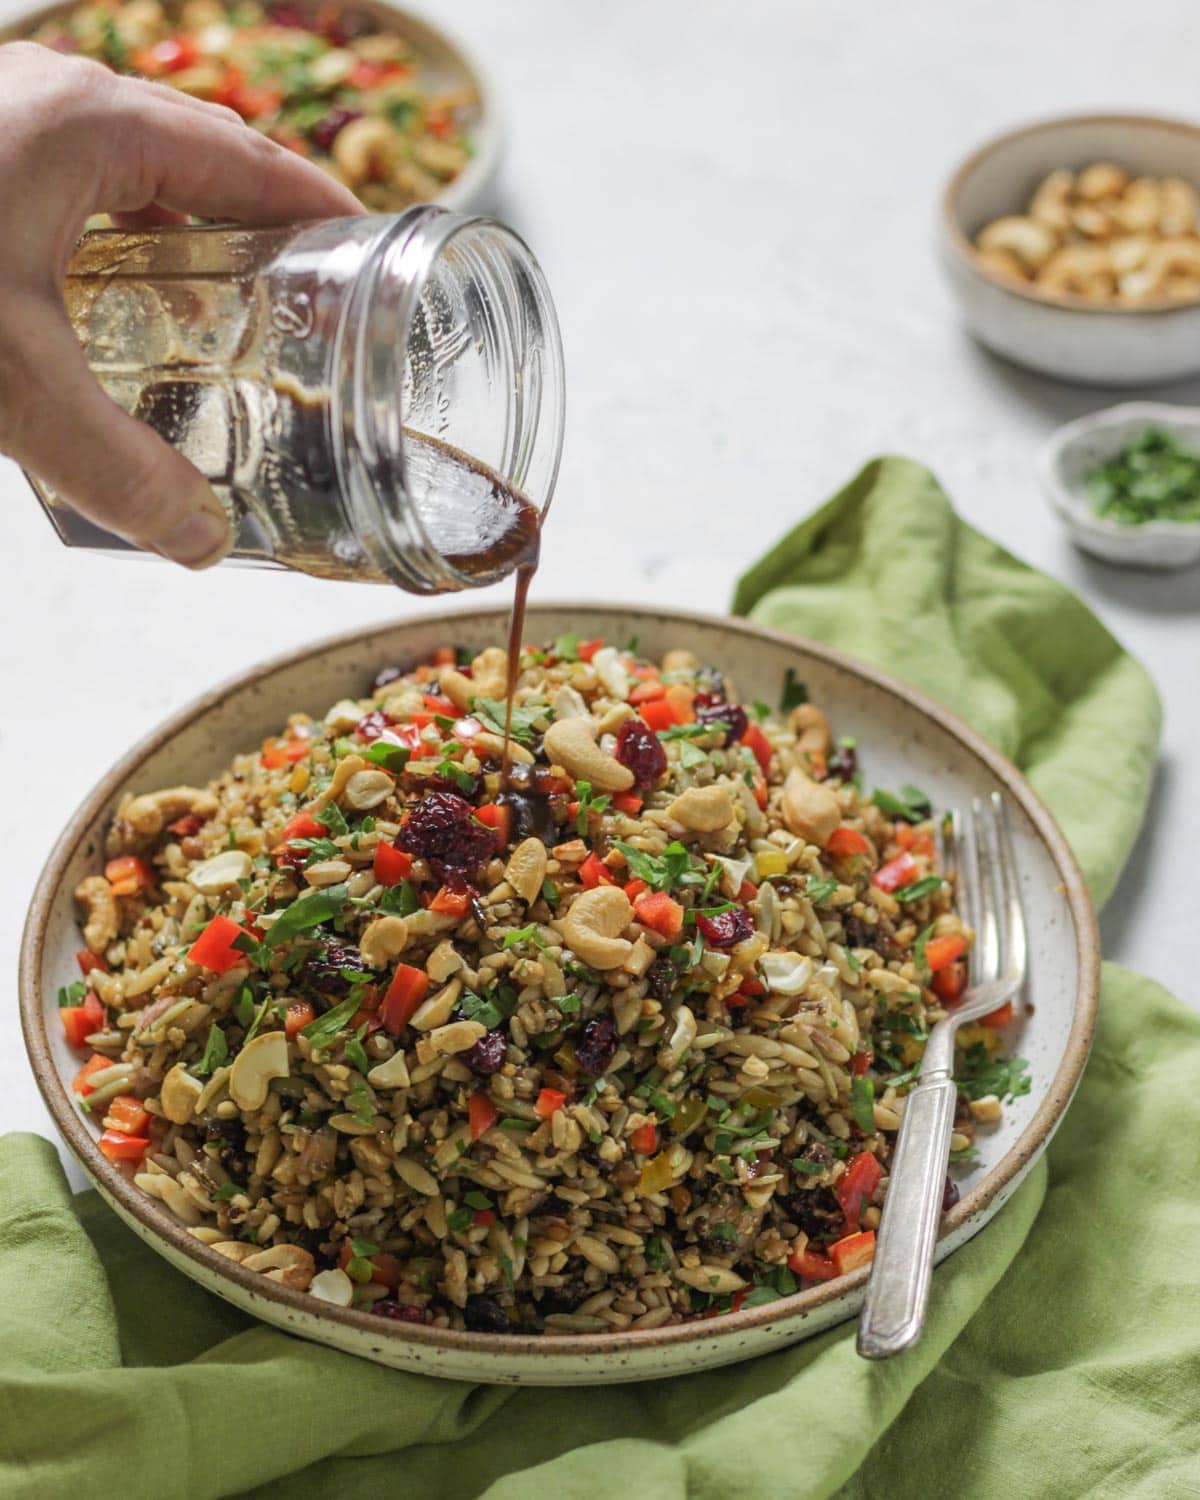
x=199 y=541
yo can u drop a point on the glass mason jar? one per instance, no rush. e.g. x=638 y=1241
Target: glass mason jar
x=376 y=398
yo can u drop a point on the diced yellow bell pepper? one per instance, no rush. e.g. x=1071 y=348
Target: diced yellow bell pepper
x=688 y=1115
x=656 y=1174
x=770 y=862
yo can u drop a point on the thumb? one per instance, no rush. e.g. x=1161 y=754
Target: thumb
x=57 y=422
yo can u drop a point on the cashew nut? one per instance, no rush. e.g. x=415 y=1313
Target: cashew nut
x=148 y=814
x=571 y=743
x=702 y=809
x=1028 y=239
x=457 y=1036
x=1093 y=223
x=333 y=1285
x=1003 y=263
x=438 y=1009
x=264 y=1058
x=567 y=704
x=593 y=923
x=809 y=809
x=392 y=1074
x=367 y=789
x=350 y=766
x=610 y=669
x=1086 y=270
x=444 y=961
x=102 y=923
x=364 y=149
x=526 y=869
x=488 y=679
x=682 y=1037
x=1180 y=208
x=384 y=939
x=343 y=716
x=679 y=659
x=290 y=1265
x=1049 y=204
x=220 y=873
x=811 y=728
x=179 y=1094
x=1139 y=207
x=328 y=872
x=1174 y=258
x=1103 y=179
x=493 y=744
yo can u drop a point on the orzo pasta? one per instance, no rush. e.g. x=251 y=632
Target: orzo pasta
x=622 y=1043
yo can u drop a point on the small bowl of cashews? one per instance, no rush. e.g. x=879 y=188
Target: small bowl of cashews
x=1073 y=247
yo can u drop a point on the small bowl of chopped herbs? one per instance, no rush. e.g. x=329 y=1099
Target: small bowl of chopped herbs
x=1126 y=483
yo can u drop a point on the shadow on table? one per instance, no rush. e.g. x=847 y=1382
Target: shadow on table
x=1124 y=911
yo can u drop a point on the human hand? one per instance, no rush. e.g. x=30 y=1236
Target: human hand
x=76 y=140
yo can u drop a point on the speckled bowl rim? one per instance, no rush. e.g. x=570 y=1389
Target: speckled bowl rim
x=959 y=241
x=486 y=135
x=85 y=819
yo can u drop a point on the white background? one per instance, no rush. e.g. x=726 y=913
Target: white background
x=734 y=205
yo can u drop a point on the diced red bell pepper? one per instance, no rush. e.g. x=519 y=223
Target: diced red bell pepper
x=759 y=791
x=79 y=1021
x=587 y=649
x=128 y=1114
x=644 y=1139
x=681 y=697
x=368 y=74
x=278 y=753
x=128 y=875
x=593 y=872
x=186 y=827
x=949 y=983
x=302 y=826
x=855 y=1186
x=647 y=692
x=747 y=891
x=253 y=102
x=941 y=951
x=812 y=1267
x=436 y=704
x=497 y=815
x=897 y=872
x=627 y=802
x=297 y=1016
x=87 y=961
x=659 y=715
x=391 y=865
x=634 y=888
x=445 y=656
x=408 y=988
x=449 y=903
x=1000 y=1018
x=171 y=55
x=81 y=1083
x=661 y=913
x=755 y=740
x=118 y=1146
x=482 y=1114
x=846 y=842
x=547 y=1102
x=214 y=949
x=853 y=1251
x=752 y=987
x=907 y=837
x=484 y=1218
x=860 y=1062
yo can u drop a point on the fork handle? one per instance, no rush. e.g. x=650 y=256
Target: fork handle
x=897 y=1294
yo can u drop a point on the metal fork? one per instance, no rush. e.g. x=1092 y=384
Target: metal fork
x=980 y=853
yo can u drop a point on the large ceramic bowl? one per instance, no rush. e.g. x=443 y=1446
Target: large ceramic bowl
x=902 y=738
x=445 y=63
x=1067 y=336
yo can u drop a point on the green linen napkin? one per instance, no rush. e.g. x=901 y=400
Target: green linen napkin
x=1062 y=1354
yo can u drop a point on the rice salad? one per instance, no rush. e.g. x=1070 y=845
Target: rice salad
x=619 y=1040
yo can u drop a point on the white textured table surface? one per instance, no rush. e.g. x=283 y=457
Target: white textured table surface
x=734 y=207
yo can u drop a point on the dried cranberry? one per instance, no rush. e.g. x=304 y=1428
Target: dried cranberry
x=289 y=15
x=949 y=1195
x=322 y=969
x=291 y=857
x=327 y=130
x=487 y=1055
x=639 y=748
x=384 y=676
x=442 y=830
x=733 y=715
x=371 y=727
x=597 y=1045
x=460 y=786
x=843 y=762
x=484 y=1315
x=401 y=1312
x=727 y=927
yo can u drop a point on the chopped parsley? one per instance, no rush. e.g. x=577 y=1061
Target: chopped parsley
x=72 y=994
x=662 y=871
x=400 y=900
x=391 y=757
x=862 y=1104
x=980 y=1073
x=309 y=910
x=919 y=889
x=216 y=1050
x=794 y=692
x=587 y=805
x=912 y=804
x=324 y=1029
x=818 y=889
x=490 y=713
